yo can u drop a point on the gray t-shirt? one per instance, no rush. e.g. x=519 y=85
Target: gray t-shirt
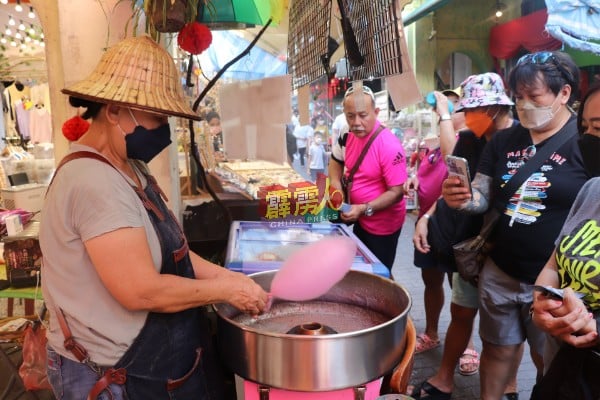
x=578 y=245
x=89 y=198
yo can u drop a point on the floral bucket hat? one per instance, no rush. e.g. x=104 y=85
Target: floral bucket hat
x=483 y=90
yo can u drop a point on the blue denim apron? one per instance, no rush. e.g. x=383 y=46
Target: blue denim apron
x=172 y=357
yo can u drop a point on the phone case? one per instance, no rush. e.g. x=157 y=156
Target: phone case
x=458 y=166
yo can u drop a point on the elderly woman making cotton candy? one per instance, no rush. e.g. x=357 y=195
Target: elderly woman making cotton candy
x=118 y=277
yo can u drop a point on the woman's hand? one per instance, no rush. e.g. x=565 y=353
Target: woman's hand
x=244 y=294
x=411 y=183
x=420 y=236
x=454 y=193
x=441 y=103
x=567 y=319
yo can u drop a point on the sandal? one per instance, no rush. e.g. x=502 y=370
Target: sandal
x=431 y=392
x=468 y=364
x=425 y=343
x=511 y=396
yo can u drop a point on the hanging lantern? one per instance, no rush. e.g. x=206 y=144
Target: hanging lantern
x=194 y=38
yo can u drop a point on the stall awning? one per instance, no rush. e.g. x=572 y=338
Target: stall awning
x=226 y=45
x=528 y=32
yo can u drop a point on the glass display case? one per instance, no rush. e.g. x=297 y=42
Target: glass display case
x=256 y=246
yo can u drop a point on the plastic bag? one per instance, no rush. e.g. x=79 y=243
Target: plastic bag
x=33 y=369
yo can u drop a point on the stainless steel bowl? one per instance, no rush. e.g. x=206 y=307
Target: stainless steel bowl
x=368 y=313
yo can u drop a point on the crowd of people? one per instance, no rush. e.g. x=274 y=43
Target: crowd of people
x=499 y=131
x=153 y=339
x=544 y=87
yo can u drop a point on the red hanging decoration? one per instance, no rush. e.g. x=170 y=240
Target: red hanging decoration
x=74 y=128
x=194 y=38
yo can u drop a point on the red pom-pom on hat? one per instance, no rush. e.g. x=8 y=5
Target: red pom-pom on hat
x=194 y=37
x=74 y=128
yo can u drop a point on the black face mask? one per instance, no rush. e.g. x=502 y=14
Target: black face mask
x=590 y=151
x=145 y=144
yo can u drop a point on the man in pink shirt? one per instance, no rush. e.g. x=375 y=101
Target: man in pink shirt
x=377 y=196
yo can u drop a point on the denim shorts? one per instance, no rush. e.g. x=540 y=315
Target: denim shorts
x=504 y=304
x=74 y=380
x=463 y=293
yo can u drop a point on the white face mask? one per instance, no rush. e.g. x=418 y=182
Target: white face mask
x=534 y=117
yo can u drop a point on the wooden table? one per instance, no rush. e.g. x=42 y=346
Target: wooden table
x=30 y=294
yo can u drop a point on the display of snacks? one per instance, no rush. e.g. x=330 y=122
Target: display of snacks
x=250 y=176
x=251 y=165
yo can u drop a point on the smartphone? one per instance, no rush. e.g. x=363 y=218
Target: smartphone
x=554 y=293
x=345 y=207
x=458 y=166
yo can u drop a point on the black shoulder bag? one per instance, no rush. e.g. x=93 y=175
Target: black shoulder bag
x=470 y=254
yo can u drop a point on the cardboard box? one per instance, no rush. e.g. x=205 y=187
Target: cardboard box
x=29 y=197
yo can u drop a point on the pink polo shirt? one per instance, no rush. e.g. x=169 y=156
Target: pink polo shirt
x=384 y=165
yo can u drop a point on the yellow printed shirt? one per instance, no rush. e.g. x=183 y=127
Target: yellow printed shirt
x=578 y=246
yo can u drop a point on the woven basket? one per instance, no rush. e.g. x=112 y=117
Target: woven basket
x=137 y=73
x=168 y=16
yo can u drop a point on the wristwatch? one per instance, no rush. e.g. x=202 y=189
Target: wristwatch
x=369 y=210
x=445 y=117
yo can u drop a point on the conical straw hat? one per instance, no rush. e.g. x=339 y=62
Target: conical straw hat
x=137 y=73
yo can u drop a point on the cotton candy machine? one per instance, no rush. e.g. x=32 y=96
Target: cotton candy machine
x=344 y=340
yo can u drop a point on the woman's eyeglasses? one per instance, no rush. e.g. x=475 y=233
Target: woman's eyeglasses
x=434 y=156
x=529 y=152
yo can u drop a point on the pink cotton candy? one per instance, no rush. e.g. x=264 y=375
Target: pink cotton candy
x=314 y=269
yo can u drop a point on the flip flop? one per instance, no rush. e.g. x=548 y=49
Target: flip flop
x=431 y=392
x=425 y=343
x=468 y=359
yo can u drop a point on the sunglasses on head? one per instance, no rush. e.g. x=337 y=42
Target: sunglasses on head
x=544 y=57
x=365 y=90
x=536 y=58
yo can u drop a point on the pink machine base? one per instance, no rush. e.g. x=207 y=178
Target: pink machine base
x=251 y=393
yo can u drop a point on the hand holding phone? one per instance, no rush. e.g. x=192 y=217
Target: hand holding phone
x=458 y=166
x=554 y=293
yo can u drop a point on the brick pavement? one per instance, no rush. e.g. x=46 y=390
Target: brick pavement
x=409 y=276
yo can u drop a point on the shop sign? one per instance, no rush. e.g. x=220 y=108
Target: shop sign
x=300 y=202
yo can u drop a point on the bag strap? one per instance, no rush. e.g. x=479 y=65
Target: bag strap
x=141 y=194
x=363 y=153
x=525 y=171
x=70 y=343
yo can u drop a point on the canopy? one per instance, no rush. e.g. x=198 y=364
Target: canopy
x=506 y=40
x=227 y=45
x=575 y=22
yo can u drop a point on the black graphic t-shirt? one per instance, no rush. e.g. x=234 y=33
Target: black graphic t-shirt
x=524 y=237
x=578 y=246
